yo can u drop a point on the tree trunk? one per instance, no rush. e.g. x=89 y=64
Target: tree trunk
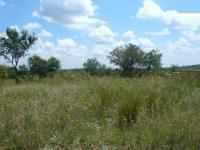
x=16 y=71
x=16 y=75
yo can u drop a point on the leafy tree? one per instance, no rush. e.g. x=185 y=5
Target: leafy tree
x=92 y=66
x=37 y=66
x=15 y=45
x=152 y=60
x=132 y=60
x=129 y=58
x=23 y=70
x=53 y=64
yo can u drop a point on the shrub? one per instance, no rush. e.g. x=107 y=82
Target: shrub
x=37 y=66
x=128 y=112
x=3 y=72
x=53 y=64
x=23 y=70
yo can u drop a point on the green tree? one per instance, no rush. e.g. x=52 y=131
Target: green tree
x=23 y=70
x=37 y=66
x=129 y=58
x=15 y=45
x=92 y=66
x=53 y=64
x=152 y=61
x=3 y=72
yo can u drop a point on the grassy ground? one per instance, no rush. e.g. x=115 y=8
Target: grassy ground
x=81 y=112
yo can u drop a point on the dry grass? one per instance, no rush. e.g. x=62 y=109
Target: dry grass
x=82 y=112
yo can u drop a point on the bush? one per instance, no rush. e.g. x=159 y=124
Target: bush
x=23 y=70
x=128 y=112
x=3 y=72
x=37 y=66
x=41 y=67
x=53 y=64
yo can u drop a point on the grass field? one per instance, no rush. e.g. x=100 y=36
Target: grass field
x=78 y=112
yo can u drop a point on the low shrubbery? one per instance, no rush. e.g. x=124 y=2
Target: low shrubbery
x=36 y=67
x=72 y=111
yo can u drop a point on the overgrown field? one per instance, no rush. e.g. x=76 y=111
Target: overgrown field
x=81 y=112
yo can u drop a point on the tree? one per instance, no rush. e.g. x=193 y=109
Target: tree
x=15 y=45
x=152 y=60
x=23 y=70
x=37 y=66
x=92 y=66
x=53 y=64
x=129 y=58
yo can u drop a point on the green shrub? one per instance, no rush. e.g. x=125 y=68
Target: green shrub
x=128 y=112
x=3 y=72
x=78 y=111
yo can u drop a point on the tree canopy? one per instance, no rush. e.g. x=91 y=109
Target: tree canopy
x=132 y=60
x=91 y=66
x=40 y=66
x=37 y=65
x=53 y=64
x=15 y=45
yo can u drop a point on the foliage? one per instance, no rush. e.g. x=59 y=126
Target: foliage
x=38 y=66
x=132 y=60
x=77 y=111
x=93 y=67
x=15 y=45
x=23 y=70
x=53 y=64
x=3 y=72
x=152 y=61
x=41 y=67
x=175 y=68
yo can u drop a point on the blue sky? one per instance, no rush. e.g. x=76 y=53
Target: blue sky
x=75 y=30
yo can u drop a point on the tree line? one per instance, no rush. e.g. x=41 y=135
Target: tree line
x=130 y=60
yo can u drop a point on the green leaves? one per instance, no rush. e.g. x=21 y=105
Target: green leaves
x=41 y=67
x=132 y=60
x=15 y=45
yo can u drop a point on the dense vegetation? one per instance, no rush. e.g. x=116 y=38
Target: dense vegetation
x=94 y=107
x=76 y=111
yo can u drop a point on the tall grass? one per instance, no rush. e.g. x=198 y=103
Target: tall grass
x=83 y=112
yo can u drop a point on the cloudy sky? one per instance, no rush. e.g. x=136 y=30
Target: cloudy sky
x=74 y=30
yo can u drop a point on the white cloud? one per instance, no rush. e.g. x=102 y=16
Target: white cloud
x=65 y=47
x=74 y=14
x=143 y=42
x=178 y=47
x=129 y=35
x=161 y=33
x=179 y=20
x=2 y=3
x=32 y=26
x=103 y=34
x=180 y=52
x=70 y=47
x=191 y=35
x=45 y=33
x=70 y=53
x=100 y=50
